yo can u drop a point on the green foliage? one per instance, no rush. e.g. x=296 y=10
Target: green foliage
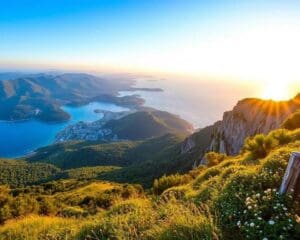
x=20 y=173
x=293 y=122
x=213 y=158
x=141 y=161
x=148 y=124
x=88 y=172
x=165 y=182
x=259 y=146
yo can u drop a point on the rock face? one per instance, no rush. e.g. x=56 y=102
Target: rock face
x=248 y=118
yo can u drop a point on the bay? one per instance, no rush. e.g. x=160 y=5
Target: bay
x=19 y=138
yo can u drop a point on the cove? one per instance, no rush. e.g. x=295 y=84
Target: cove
x=22 y=137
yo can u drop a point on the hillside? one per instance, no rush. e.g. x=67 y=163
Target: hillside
x=248 y=118
x=127 y=126
x=141 y=125
x=19 y=173
x=230 y=198
x=40 y=96
x=140 y=161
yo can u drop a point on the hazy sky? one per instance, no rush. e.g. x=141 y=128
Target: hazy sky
x=247 y=40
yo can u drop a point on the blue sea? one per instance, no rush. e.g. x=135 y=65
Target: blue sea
x=22 y=137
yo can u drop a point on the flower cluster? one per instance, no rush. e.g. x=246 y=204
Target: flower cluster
x=267 y=216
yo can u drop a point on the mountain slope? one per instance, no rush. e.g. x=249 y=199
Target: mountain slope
x=127 y=126
x=141 y=125
x=248 y=117
x=236 y=198
x=141 y=161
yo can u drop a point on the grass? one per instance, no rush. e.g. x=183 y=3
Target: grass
x=37 y=227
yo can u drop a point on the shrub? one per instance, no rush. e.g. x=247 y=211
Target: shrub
x=165 y=182
x=47 y=206
x=213 y=158
x=259 y=146
x=281 y=135
x=293 y=122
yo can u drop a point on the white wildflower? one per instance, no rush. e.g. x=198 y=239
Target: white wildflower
x=271 y=222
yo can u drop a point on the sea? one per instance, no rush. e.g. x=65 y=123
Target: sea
x=18 y=138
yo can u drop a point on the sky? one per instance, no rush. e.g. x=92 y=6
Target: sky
x=251 y=40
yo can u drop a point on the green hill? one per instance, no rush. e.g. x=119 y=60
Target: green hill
x=141 y=161
x=147 y=124
x=124 y=153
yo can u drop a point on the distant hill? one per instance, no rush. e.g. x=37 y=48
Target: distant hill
x=129 y=126
x=40 y=96
x=141 y=125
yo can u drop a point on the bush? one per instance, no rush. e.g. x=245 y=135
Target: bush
x=213 y=158
x=281 y=135
x=46 y=206
x=259 y=146
x=165 y=182
x=293 y=122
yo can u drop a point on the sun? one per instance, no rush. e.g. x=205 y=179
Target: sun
x=277 y=91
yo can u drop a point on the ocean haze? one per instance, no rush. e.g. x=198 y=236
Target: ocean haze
x=201 y=102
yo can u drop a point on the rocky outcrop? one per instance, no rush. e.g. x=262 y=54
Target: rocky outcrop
x=248 y=118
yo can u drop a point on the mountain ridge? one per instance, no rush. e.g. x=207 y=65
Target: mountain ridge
x=40 y=96
x=250 y=116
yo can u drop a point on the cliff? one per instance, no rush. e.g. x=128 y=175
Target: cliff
x=248 y=118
